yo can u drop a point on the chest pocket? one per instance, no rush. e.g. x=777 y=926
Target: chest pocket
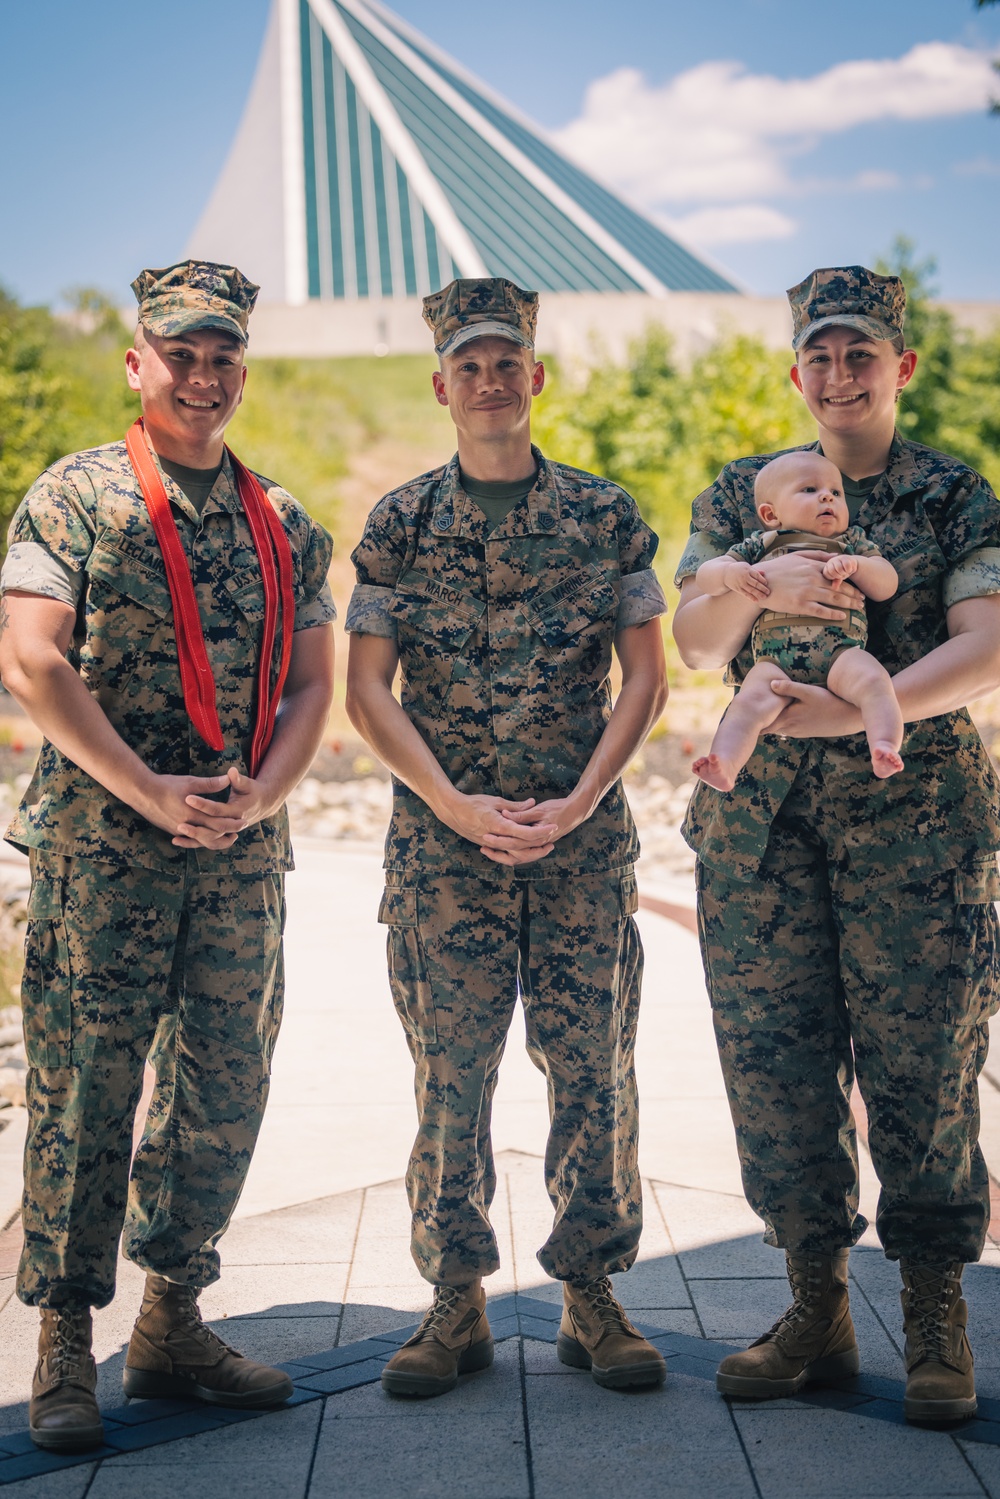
x=563 y=614
x=128 y=604
x=248 y=596
x=914 y=554
x=912 y=621
x=133 y=573
x=432 y=619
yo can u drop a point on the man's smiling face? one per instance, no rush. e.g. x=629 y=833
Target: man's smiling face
x=190 y=384
x=488 y=384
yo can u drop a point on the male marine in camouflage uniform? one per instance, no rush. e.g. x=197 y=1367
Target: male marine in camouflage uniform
x=846 y=921
x=155 y=914
x=499 y=585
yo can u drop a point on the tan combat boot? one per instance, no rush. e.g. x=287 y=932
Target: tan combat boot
x=940 y=1384
x=172 y=1355
x=63 y=1414
x=812 y=1343
x=454 y=1338
x=595 y=1334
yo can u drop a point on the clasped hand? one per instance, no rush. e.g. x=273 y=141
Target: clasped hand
x=181 y=806
x=513 y=833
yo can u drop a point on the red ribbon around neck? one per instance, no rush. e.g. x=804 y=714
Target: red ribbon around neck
x=275 y=558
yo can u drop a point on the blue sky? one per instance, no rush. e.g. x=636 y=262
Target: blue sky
x=738 y=121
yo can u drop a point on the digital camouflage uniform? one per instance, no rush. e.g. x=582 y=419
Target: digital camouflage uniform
x=505 y=640
x=805 y=648
x=838 y=911
x=131 y=942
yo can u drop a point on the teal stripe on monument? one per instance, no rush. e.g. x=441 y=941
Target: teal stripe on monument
x=309 y=152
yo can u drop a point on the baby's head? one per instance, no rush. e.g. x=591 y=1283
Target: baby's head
x=801 y=492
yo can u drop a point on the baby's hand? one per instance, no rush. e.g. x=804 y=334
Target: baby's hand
x=749 y=581
x=840 y=567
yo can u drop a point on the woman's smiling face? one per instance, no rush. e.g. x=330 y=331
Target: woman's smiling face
x=850 y=381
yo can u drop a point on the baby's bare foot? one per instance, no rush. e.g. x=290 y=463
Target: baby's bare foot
x=713 y=770
x=885 y=760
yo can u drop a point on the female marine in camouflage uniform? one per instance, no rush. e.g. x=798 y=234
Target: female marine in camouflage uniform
x=848 y=922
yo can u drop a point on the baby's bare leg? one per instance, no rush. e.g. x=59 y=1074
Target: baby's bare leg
x=748 y=715
x=859 y=679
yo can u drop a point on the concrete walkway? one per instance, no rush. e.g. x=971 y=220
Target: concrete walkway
x=317 y=1275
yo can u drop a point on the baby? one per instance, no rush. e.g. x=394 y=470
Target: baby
x=801 y=503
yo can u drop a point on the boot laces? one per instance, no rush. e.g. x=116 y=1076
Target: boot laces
x=446 y=1298
x=70 y=1345
x=189 y=1320
x=806 y=1280
x=930 y=1293
x=601 y=1300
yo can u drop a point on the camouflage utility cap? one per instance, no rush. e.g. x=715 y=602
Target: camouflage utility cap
x=489 y=307
x=847 y=296
x=195 y=294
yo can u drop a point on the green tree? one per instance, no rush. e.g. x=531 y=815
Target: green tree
x=30 y=397
x=87 y=352
x=931 y=332
x=953 y=401
x=663 y=432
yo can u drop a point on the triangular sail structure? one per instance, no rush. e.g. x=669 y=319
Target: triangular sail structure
x=369 y=165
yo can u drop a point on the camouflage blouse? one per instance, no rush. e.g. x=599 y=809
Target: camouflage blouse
x=86 y=514
x=938 y=522
x=505 y=640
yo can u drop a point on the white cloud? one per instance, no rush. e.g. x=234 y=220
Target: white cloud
x=734 y=224
x=717 y=133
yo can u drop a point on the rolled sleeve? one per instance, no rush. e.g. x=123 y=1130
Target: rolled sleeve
x=379 y=559
x=637 y=542
x=321 y=610
x=30 y=567
x=368 y=612
x=702 y=546
x=641 y=599
x=312 y=548
x=975 y=576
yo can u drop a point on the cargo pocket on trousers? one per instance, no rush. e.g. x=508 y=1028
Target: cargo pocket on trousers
x=47 y=983
x=630 y=960
x=411 y=992
x=974 y=976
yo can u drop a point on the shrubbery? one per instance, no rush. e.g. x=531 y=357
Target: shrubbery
x=661 y=430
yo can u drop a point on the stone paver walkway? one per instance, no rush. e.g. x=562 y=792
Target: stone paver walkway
x=317 y=1275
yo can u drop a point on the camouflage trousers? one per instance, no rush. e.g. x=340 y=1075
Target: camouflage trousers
x=460 y=951
x=121 y=964
x=814 y=971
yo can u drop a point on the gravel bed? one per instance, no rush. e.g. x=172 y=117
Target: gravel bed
x=358 y=811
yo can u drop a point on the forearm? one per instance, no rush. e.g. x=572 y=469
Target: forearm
x=382 y=723
x=712 y=577
x=950 y=677
x=298 y=733
x=58 y=702
x=710 y=631
x=636 y=709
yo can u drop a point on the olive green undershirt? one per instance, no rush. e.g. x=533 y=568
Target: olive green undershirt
x=496 y=501
x=197 y=483
x=856 y=491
